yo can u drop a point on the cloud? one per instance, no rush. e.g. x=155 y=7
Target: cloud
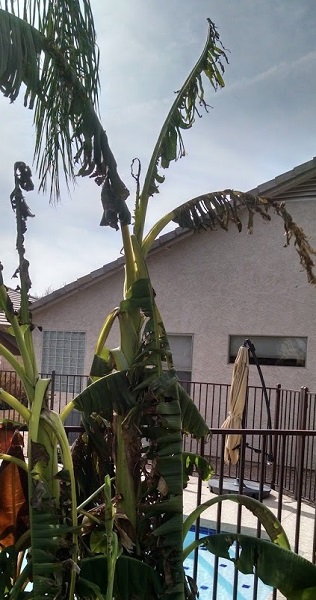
x=262 y=124
x=283 y=70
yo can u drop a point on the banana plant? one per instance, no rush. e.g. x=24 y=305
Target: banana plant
x=128 y=466
x=38 y=522
x=135 y=410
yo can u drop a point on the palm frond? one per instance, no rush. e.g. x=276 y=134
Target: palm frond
x=189 y=102
x=69 y=26
x=58 y=64
x=218 y=209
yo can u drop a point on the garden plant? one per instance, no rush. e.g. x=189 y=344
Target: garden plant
x=104 y=519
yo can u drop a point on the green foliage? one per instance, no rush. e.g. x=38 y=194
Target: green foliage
x=187 y=105
x=53 y=53
x=291 y=574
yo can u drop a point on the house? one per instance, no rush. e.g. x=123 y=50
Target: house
x=214 y=289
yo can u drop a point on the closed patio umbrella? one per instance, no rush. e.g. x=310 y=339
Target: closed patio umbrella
x=236 y=404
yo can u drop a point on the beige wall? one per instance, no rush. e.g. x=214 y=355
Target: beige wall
x=4 y=365
x=214 y=285
x=222 y=283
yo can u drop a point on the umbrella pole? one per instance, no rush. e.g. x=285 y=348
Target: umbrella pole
x=248 y=344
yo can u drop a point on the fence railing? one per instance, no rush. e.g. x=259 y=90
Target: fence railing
x=290 y=410
x=291 y=473
x=297 y=518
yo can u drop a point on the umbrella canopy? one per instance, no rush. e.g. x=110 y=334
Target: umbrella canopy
x=236 y=404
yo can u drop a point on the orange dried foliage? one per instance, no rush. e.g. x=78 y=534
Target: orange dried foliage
x=14 y=516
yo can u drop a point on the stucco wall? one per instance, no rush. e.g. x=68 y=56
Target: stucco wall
x=213 y=285
x=85 y=310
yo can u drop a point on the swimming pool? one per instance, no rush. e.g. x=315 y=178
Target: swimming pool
x=225 y=576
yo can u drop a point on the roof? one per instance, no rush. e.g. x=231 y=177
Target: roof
x=298 y=183
x=15 y=298
x=107 y=270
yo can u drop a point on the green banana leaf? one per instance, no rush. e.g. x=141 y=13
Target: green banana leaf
x=106 y=395
x=8 y=557
x=266 y=517
x=51 y=539
x=168 y=385
x=291 y=574
x=194 y=462
x=133 y=579
x=186 y=107
x=275 y=564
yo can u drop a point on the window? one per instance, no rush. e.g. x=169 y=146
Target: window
x=181 y=347
x=272 y=350
x=63 y=352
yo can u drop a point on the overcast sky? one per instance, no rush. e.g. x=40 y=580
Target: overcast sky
x=261 y=125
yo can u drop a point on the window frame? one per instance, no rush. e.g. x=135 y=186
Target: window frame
x=71 y=358
x=183 y=369
x=276 y=360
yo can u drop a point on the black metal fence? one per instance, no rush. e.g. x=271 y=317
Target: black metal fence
x=297 y=517
x=290 y=410
x=290 y=473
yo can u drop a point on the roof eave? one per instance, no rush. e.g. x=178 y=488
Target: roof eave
x=280 y=184
x=271 y=189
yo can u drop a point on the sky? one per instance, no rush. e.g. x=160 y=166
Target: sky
x=261 y=125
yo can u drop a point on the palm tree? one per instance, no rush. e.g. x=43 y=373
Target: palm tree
x=50 y=49
x=134 y=411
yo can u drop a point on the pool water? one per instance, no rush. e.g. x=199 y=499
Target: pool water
x=226 y=573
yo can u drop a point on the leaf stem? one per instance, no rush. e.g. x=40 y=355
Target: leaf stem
x=155 y=231
x=129 y=258
x=89 y=516
x=17 y=461
x=54 y=420
x=66 y=411
x=88 y=500
x=105 y=331
x=39 y=397
x=18 y=368
x=27 y=362
x=15 y=404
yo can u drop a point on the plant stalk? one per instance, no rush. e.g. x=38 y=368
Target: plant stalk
x=15 y=404
x=17 y=461
x=54 y=421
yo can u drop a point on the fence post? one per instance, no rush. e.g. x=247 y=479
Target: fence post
x=52 y=390
x=300 y=443
x=198 y=520
x=276 y=425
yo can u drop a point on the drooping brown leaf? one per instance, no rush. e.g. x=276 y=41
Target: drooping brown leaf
x=7 y=432
x=38 y=454
x=14 y=516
